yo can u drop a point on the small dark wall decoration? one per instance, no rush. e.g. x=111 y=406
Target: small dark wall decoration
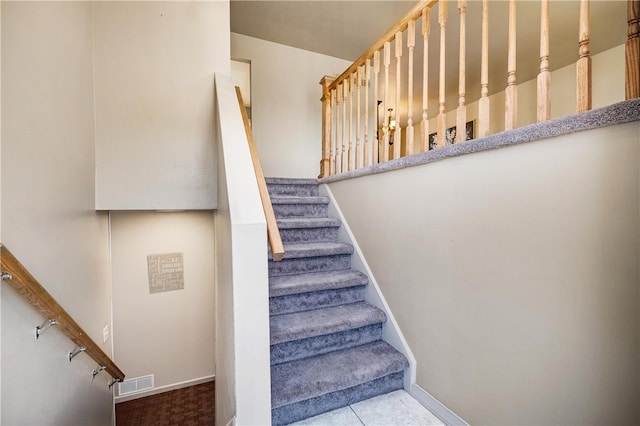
x=450 y=134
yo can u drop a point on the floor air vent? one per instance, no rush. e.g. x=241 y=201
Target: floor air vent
x=135 y=385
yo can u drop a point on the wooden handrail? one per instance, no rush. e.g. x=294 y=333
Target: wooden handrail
x=275 y=241
x=29 y=287
x=400 y=26
x=393 y=101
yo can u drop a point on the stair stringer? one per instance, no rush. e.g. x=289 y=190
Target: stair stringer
x=391 y=332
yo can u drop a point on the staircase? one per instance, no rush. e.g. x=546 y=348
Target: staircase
x=326 y=347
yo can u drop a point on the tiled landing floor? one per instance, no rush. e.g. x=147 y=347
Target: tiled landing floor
x=396 y=408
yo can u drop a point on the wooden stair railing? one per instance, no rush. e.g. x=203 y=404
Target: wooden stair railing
x=29 y=288
x=392 y=103
x=275 y=241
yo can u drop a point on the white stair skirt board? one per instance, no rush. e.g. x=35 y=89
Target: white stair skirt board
x=440 y=410
x=391 y=330
x=161 y=389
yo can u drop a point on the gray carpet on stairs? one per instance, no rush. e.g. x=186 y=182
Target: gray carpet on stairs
x=308 y=378
x=326 y=347
x=301 y=325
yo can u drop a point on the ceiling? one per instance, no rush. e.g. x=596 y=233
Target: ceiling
x=346 y=29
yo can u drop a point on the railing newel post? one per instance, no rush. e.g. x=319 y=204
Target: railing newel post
x=325 y=168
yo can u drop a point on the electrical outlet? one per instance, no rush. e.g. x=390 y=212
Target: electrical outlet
x=105 y=333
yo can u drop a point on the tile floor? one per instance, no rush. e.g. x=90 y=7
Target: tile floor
x=396 y=408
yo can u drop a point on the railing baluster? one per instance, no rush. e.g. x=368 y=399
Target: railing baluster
x=334 y=140
x=397 y=135
x=461 y=115
x=338 y=158
x=484 y=103
x=345 y=158
x=385 y=105
x=352 y=162
x=511 y=92
x=442 y=117
x=544 y=78
x=411 y=43
x=426 y=28
x=632 y=50
x=583 y=66
x=339 y=128
x=358 y=101
x=366 y=161
x=375 y=149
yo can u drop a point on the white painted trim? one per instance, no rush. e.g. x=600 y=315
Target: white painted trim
x=438 y=409
x=391 y=332
x=166 y=388
x=232 y=422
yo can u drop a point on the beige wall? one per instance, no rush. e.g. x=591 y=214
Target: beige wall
x=168 y=334
x=154 y=66
x=286 y=108
x=243 y=380
x=514 y=275
x=48 y=216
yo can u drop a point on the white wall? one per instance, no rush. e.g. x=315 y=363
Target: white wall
x=286 y=108
x=514 y=275
x=243 y=375
x=168 y=334
x=48 y=216
x=154 y=66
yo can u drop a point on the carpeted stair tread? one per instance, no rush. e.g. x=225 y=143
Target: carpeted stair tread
x=315 y=249
x=312 y=377
x=299 y=200
x=290 y=181
x=317 y=345
x=308 y=222
x=320 y=322
x=305 y=283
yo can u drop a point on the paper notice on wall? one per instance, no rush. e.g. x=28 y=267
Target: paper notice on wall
x=166 y=272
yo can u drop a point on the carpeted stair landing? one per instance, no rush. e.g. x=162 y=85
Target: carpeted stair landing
x=327 y=350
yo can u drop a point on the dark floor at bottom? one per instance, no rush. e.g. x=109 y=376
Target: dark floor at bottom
x=194 y=405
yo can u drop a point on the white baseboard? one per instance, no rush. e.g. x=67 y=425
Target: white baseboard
x=440 y=410
x=165 y=388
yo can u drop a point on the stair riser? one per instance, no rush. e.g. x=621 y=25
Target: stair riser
x=303 y=348
x=292 y=190
x=311 y=407
x=297 y=235
x=305 y=265
x=315 y=300
x=299 y=210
